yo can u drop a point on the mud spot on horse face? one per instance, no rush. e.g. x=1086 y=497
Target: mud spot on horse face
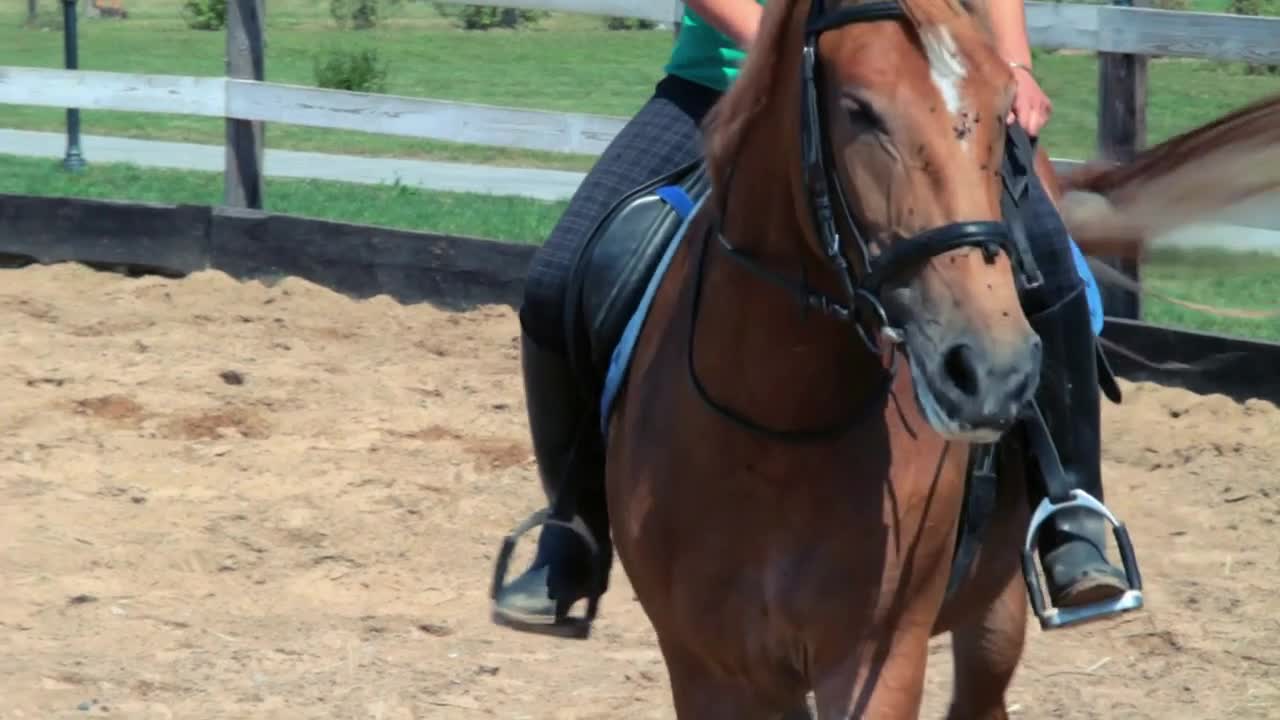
x=218 y=424
x=115 y=409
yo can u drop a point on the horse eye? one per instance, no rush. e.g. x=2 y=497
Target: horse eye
x=860 y=113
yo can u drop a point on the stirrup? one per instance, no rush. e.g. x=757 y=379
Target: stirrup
x=564 y=625
x=1052 y=618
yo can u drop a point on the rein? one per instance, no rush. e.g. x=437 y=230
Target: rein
x=861 y=290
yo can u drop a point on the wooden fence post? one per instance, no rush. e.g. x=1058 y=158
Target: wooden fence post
x=242 y=180
x=1122 y=132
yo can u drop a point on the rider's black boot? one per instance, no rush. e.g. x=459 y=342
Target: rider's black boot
x=1069 y=523
x=573 y=550
x=1072 y=542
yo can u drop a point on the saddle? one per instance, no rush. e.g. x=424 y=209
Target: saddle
x=613 y=267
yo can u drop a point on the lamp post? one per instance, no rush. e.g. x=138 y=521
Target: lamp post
x=74 y=159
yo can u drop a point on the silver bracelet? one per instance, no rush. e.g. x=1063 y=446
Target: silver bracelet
x=1021 y=66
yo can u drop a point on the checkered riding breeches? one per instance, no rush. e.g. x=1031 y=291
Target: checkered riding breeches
x=663 y=136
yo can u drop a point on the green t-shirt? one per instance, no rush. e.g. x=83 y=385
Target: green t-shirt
x=703 y=54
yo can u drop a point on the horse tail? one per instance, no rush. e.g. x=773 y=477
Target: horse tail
x=1116 y=209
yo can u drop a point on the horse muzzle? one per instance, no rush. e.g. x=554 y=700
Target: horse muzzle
x=972 y=389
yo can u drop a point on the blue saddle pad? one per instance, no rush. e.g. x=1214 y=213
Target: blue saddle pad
x=1091 y=290
x=620 y=360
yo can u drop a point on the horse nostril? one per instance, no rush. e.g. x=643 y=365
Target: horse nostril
x=959 y=366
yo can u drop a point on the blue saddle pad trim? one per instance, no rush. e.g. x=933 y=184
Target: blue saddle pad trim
x=1091 y=291
x=620 y=361
x=677 y=198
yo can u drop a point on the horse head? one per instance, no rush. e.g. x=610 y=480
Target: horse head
x=892 y=158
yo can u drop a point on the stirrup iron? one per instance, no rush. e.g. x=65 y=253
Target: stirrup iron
x=564 y=624
x=1053 y=618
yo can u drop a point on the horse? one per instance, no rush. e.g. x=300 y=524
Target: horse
x=784 y=501
x=774 y=557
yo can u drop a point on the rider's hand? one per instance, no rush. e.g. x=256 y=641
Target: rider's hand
x=1031 y=107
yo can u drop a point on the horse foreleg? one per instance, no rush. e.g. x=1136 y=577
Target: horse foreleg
x=986 y=653
x=699 y=693
x=882 y=680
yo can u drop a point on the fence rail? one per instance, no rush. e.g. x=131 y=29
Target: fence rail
x=1147 y=31
x=315 y=107
x=1123 y=37
x=1051 y=25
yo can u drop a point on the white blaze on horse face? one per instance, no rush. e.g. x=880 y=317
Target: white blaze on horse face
x=947 y=71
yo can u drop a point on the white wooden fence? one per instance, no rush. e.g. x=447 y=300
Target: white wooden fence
x=1122 y=36
x=1051 y=25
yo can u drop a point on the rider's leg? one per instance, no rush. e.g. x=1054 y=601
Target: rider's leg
x=558 y=412
x=1072 y=543
x=662 y=137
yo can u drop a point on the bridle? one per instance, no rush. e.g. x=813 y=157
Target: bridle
x=861 y=290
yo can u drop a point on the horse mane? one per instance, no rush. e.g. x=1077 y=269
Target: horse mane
x=727 y=124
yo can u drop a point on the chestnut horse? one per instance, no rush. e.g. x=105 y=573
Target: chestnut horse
x=785 y=503
x=783 y=500
x=805 y=539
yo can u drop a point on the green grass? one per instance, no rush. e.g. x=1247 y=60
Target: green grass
x=400 y=206
x=547 y=67
x=1236 y=280
x=568 y=63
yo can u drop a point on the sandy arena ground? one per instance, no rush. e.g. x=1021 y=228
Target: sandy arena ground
x=226 y=500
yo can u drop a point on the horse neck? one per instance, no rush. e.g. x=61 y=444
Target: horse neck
x=789 y=367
